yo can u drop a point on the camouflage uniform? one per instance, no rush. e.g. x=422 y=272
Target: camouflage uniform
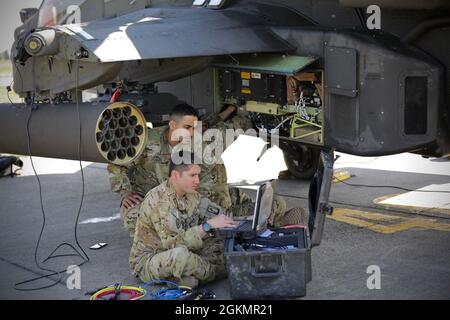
x=167 y=244
x=213 y=185
x=233 y=200
x=149 y=170
x=239 y=121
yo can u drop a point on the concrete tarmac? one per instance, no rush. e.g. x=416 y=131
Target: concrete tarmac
x=413 y=263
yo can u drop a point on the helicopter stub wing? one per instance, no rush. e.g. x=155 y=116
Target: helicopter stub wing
x=174 y=33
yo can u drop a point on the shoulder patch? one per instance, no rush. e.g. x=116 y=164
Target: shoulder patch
x=213 y=210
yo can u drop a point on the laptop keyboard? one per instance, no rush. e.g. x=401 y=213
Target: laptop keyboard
x=244 y=226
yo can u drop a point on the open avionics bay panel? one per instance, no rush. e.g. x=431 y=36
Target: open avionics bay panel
x=282 y=94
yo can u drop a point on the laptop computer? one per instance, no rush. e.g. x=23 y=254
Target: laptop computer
x=249 y=229
x=318 y=196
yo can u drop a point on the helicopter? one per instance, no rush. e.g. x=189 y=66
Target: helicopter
x=364 y=77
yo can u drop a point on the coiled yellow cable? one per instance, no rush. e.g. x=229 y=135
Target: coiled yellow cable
x=140 y=293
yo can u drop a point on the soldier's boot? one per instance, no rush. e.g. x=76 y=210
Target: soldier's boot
x=213 y=252
x=189 y=281
x=291 y=217
x=220 y=272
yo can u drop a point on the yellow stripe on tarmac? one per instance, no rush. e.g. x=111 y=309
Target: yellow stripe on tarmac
x=383 y=223
x=341 y=175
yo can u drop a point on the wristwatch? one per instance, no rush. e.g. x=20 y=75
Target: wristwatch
x=207 y=228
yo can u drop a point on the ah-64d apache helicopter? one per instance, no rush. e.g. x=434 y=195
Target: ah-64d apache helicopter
x=365 y=77
x=316 y=70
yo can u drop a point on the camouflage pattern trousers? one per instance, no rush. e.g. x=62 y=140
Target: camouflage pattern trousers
x=175 y=264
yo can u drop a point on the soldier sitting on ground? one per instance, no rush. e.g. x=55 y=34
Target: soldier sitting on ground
x=172 y=239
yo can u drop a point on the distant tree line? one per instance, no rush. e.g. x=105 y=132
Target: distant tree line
x=4 y=55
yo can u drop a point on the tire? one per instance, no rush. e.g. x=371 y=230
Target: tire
x=303 y=163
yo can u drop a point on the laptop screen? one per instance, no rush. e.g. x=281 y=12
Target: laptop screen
x=263 y=206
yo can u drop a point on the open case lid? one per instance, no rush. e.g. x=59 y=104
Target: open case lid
x=263 y=205
x=261 y=213
x=319 y=192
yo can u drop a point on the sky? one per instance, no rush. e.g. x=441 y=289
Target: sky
x=10 y=19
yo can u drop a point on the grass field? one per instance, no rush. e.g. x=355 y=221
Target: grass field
x=5 y=67
x=4 y=97
x=6 y=71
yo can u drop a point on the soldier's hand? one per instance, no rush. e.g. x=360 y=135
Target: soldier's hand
x=224 y=115
x=131 y=200
x=222 y=221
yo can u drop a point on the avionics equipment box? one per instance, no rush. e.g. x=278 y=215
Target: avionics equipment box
x=277 y=264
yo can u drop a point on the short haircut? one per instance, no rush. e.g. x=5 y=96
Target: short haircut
x=186 y=160
x=181 y=110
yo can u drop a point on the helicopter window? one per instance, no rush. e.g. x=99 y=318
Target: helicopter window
x=56 y=12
